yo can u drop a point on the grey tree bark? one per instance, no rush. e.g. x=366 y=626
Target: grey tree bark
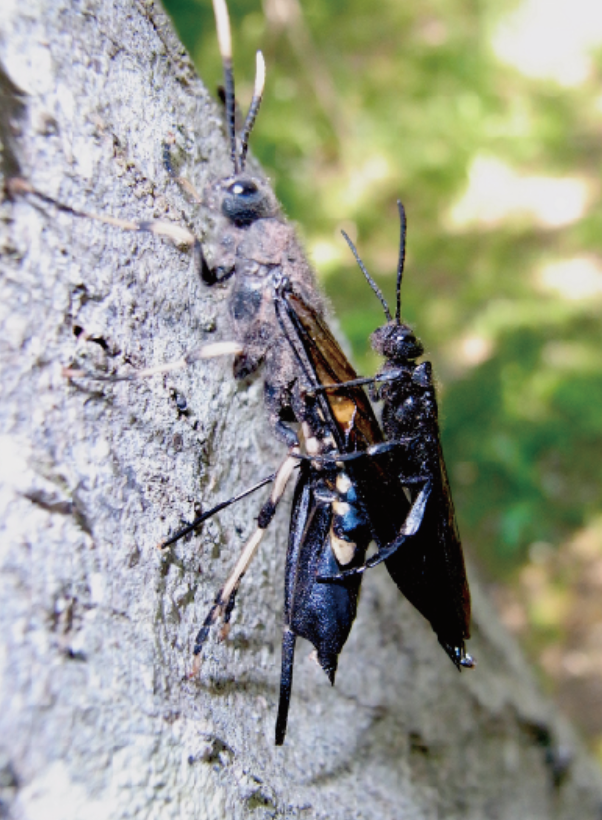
x=98 y=717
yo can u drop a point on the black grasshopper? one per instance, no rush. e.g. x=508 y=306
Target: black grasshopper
x=329 y=531
x=428 y=564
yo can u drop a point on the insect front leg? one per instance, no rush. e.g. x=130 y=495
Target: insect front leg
x=225 y=599
x=179 y=235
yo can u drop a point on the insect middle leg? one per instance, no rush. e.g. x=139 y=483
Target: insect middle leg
x=178 y=234
x=411 y=525
x=213 y=511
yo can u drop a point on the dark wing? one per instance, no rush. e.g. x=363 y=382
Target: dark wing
x=352 y=412
x=454 y=556
x=429 y=570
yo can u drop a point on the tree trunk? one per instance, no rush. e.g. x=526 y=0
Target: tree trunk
x=99 y=718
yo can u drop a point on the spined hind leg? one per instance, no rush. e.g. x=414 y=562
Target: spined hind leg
x=225 y=599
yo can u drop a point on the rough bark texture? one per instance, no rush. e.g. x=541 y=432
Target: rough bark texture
x=98 y=718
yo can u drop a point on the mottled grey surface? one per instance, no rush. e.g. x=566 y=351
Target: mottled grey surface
x=98 y=718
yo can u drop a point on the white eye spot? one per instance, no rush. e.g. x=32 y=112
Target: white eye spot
x=237 y=189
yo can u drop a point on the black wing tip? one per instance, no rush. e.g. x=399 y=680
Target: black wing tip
x=458 y=655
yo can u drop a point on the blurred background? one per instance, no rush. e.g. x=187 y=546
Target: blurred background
x=484 y=117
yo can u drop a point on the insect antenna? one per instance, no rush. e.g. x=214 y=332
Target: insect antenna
x=253 y=108
x=369 y=279
x=224 y=39
x=402 y=256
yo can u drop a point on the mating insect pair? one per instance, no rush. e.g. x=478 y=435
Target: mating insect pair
x=352 y=475
x=351 y=491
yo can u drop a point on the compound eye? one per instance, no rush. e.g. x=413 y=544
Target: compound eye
x=244 y=203
x=242 y=189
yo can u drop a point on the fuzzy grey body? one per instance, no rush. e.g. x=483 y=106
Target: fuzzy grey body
x=256 y=249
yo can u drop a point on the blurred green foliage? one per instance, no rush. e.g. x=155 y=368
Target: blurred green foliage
x=369 y=102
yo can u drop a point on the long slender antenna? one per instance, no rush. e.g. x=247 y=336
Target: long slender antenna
x=369 y=279
x=402 y=256
x=253 y=108
x=224 y=39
